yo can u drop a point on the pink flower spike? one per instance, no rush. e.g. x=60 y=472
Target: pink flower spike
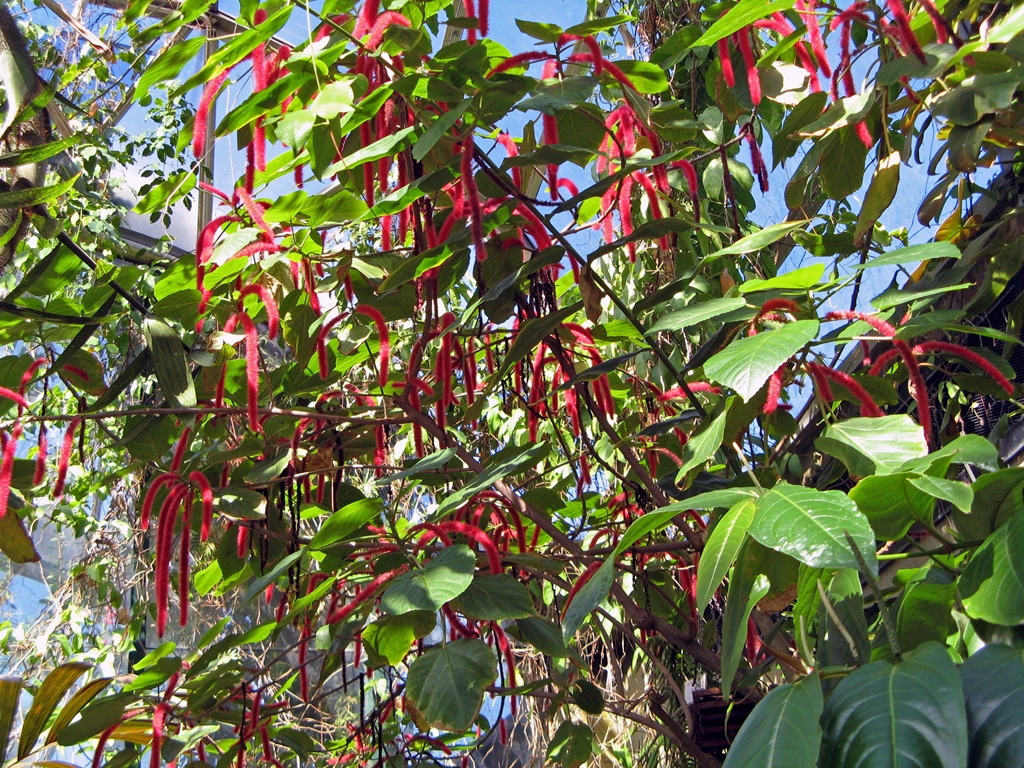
x=252 y=369
x=203 y=114
x=273 y=317
x=726 y=62
x=40 y=473
x=206 y=493
x=65 y=458
x=7 y=468
x=385 y=20
x=750 y=61
x=956 y=350
x=382 y=335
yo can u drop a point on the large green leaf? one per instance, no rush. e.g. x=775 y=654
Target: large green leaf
x=758 y=240
x=447 y=683
x=346 y=521
x=10 y=695
x=745 y=588
x=992 y=585
x=388 y=639
x=170 y=363
x=444 y=578
x=998 y=496
x=925 y=610
x=746 y=363
x=907 y=715
x=783 y=730
x=812 y=526
x=874 y=446
x=741 y=15
x=702 y=445
x=52 y=690
x=993 y=681
x=687 y=317
x=721 y=549
x=891 y=504
x=587 y=599
x=496 y=597
x=572 y=744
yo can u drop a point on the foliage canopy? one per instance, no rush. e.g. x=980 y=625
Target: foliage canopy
x=483 y=402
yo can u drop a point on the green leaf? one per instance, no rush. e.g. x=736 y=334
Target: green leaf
x=52 y=690
x=437 y=129
x=740 y=16
x=37 y=154
x=10 y=695
x=15 y=541
x=445 y=577
x=783 y=730
x=170 y=363
x=966 y=449
x=956 y=493
x=447 y=683
x=891 y=504
x=591 y=595
x=992 y=585
x=687 y=317
x=801 y=279
x=588 y=697
x=870 y=446
x=389 y=638
x=811 y=526
x=760 y=239
x=993 y=681
x=31 y=196
x=913 y=254
x=572 y=744
x=496 y=597
x=346 y=521
x=434 y=461
x=747 y=363
x=502 y=467
x=530 y=334
x=167 y=192
x=542 y=635
x=721 y=549
x=998 y=496
x=646 y=77
x=703 y=445
x=546 y=33
x=76 y=704
x=908 y=715
x=925 y=613
x=167 y=65
x=745 y=589
x=240 y=503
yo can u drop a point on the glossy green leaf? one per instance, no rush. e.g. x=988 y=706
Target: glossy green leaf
x=496 y=597
x=891 y=504
x=590 y=596
x=993 y=682
x=740 y=16
x=812 y=526
x=10 y=695
x=998 y=496
x=745 y=589
x=703 y=445
x=925 y=612
x=346 y=521
x=681 y=319
x=721 y=549
x=571 y=745
x=170 y=363
x=447 y=683
x=956 y=493
x=445 y=576
x=747 y=363
x=388 y=639
x=870 y=446
x=760 y=239
x=167 y=192
x=50 y=692
x=913 y=254
x=992 y=585
x=783 y=730
x=802 y=279
x=907 y=715
x=31 y=196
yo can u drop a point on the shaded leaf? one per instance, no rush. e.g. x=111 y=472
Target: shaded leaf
x=783 y=730
x=447 y=683
x=445 y=576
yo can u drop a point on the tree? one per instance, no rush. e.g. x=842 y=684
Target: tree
x=489 y=470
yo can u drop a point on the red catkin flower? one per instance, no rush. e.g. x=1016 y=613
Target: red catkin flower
x=757 y=161
x=690 y=174
x=956 y=350
x=771 y=404
x=904 y=31
x=179 y=450
x=164 y=541
x=160 y=713
x=810 y=18
x=726 y=61
x=744 y=38
x=184 y=553
x=273 y=317
x=382 y=335
x=364 y=594
x=868 y=407
x=65 y=458
x=206 y=493
x=15 y=398
x=7 y=468
x=40 y=473
x=199 y=126
x=580 y=582
x=380 y=25
x=520 y=60
x=592 y=44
